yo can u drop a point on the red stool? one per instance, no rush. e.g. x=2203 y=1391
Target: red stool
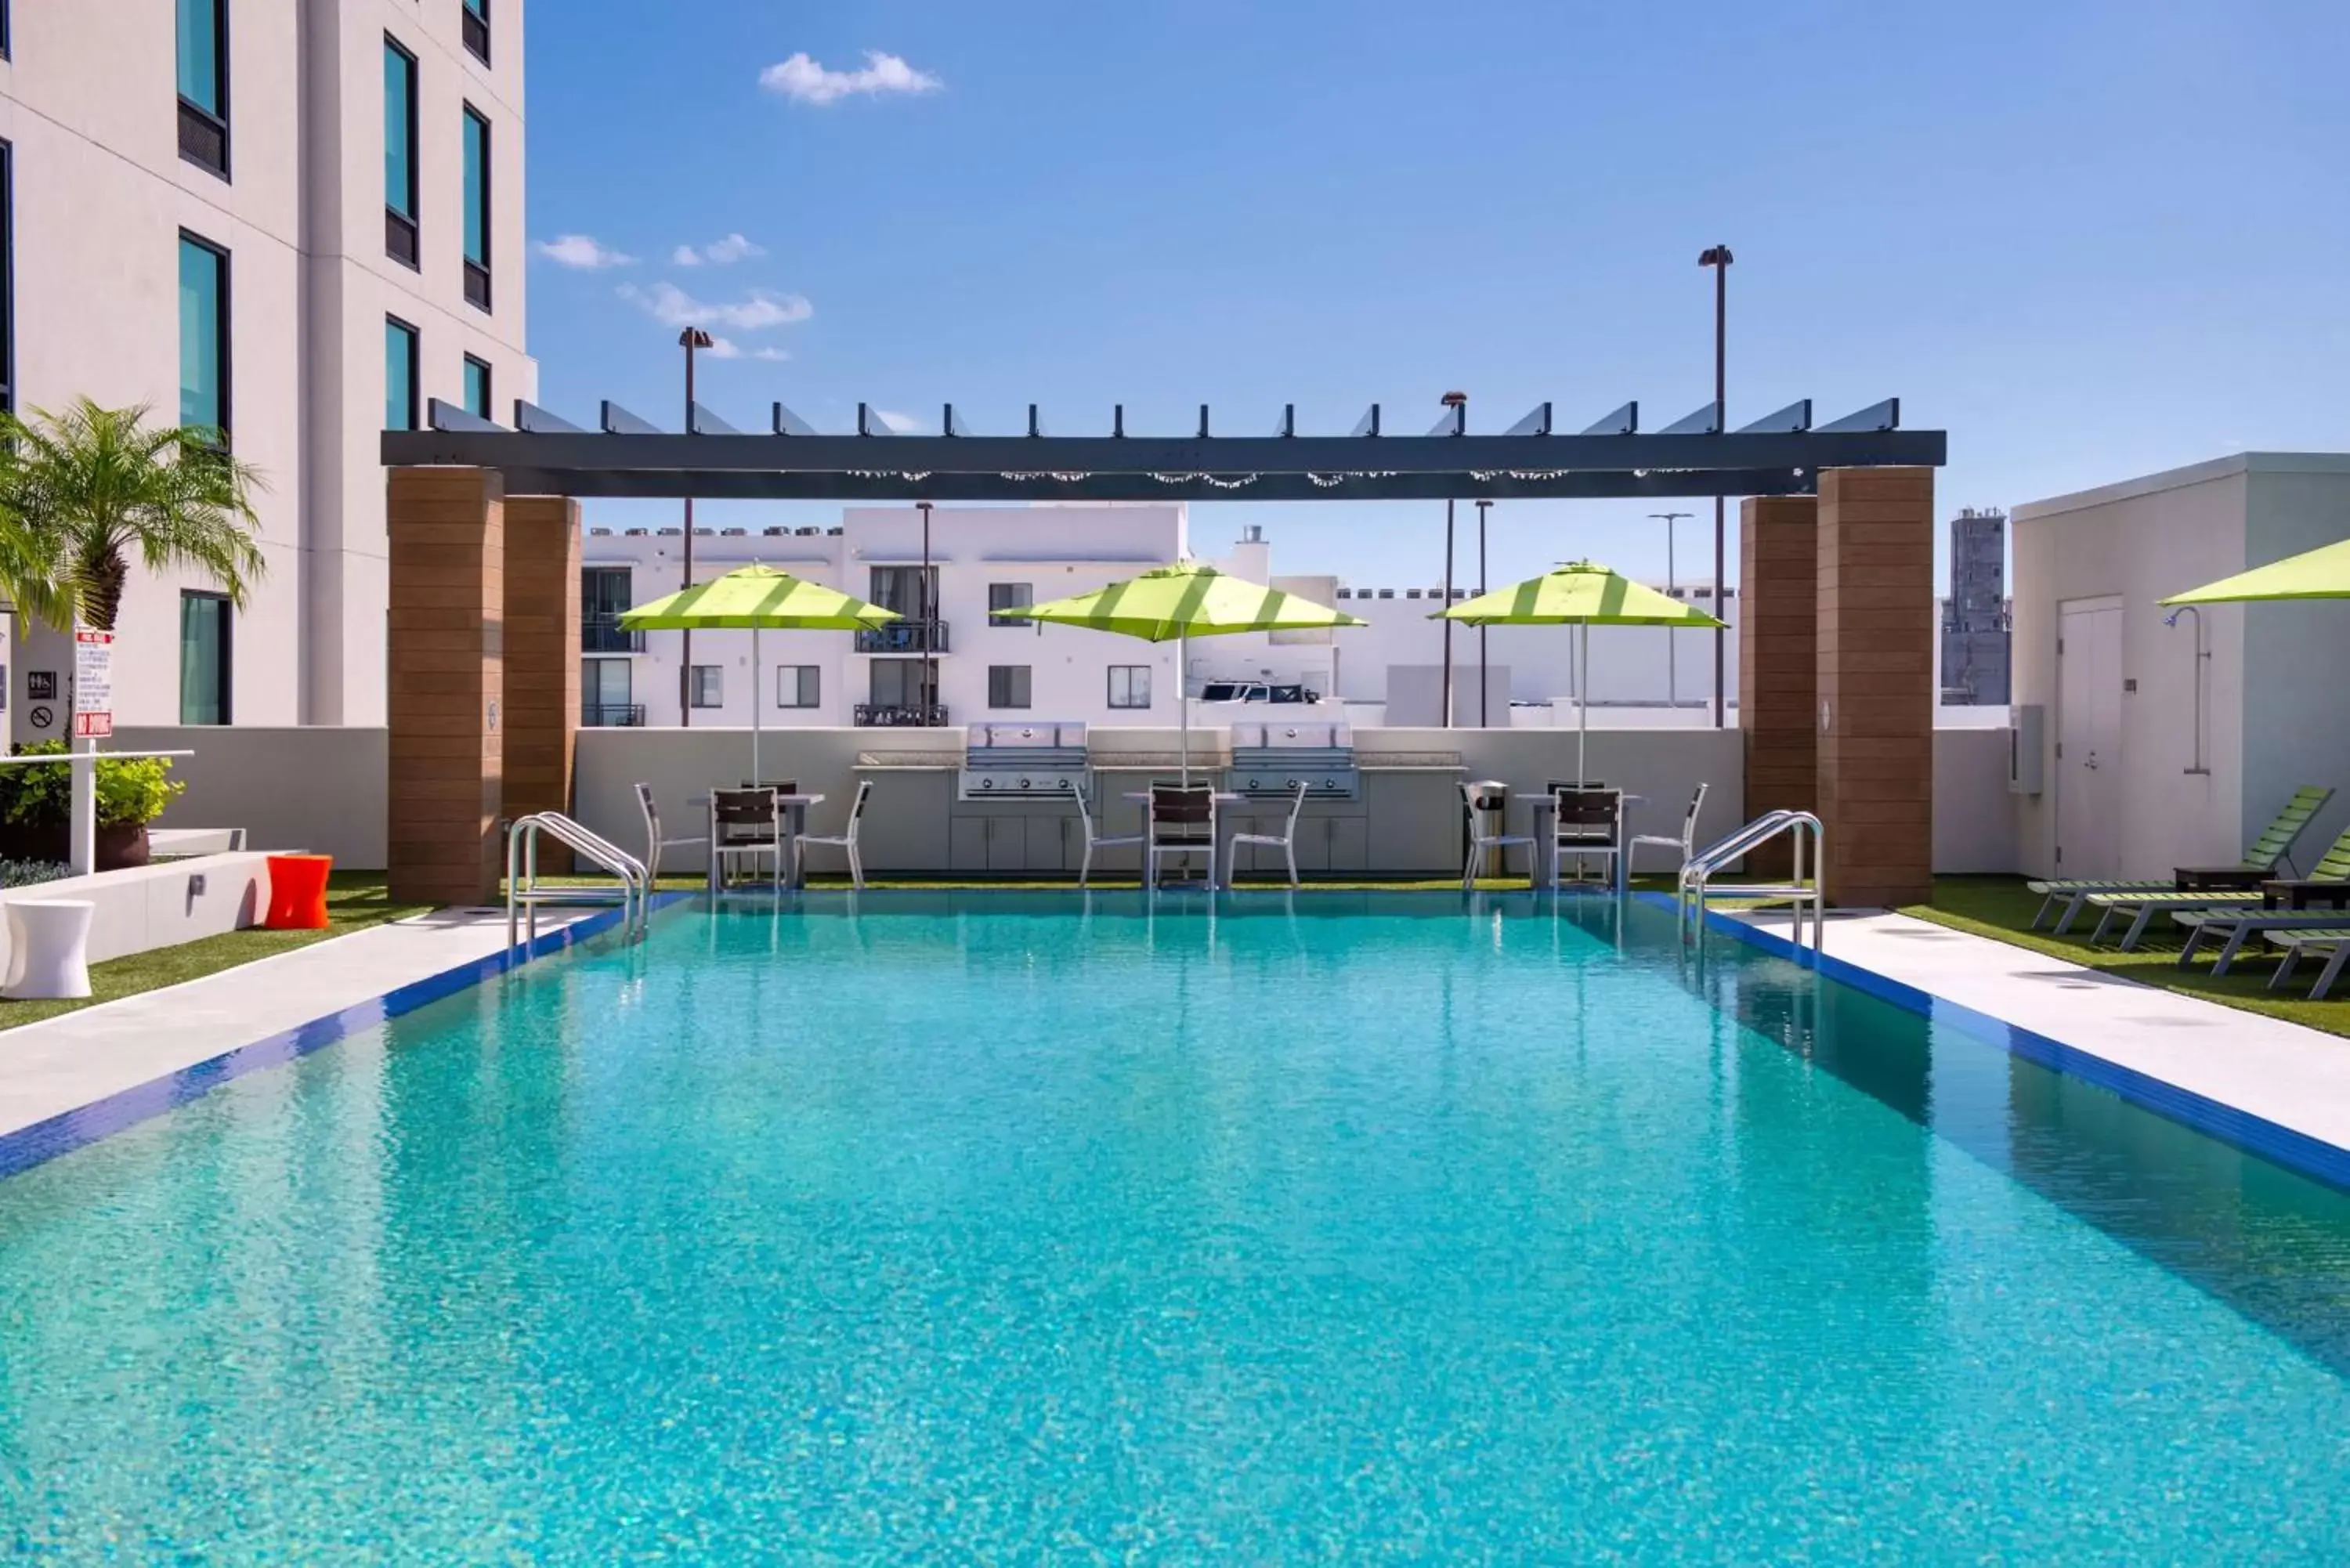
x=298 y=892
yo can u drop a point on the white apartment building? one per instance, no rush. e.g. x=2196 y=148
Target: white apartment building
x=296 y=221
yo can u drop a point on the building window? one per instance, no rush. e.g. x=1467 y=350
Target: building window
x=477 y=387
x=1007 y=686
x=1010 y=595
x=1129 y=686
x=706 y=689
x=604 y=594
x=399 y=358
x=798 y=686
x=204 y=632
x=204 y=84
x=399 y=238
x=477 y=29
x=3 y=29
x=203 y=336
x=7 y=271
x=477 y=209
x=900 y=683
x=606 y=699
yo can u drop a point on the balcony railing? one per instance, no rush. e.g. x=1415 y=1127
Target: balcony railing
x=903 y=637
x=604 y=634
x=901 y=715
x=612 y=715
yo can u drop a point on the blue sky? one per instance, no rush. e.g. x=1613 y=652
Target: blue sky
x=2089 y=238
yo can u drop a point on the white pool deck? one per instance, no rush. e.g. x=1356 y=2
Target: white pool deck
x=75 y=1060
x=2296 y=1077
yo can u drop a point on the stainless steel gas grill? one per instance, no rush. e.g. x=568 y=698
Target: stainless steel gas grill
x=1270 y=759
x=1035 y=761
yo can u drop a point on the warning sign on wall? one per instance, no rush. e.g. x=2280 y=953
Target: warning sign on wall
x=93 y=694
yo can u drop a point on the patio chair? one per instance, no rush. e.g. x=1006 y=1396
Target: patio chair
x=2143 y=906
x=2298 y=945
x=654 y=842
x=745 y=824
x=2270 y=849
x=2329 y=884
x=1094 y=839
x=1285 y=840
x=1499 y=843
x=1588 y=824
x=1182 y=822
x=846 y=841
x=1686 y=844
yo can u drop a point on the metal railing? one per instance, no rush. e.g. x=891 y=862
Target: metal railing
x=605 y=634
x=524 y=894
x=900 y=715
x=1698 y=872
x=612 y=716
x=903 y=637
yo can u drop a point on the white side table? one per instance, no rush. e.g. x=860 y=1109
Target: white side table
x=48 y=949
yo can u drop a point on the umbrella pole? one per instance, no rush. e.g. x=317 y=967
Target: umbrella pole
x=1183 y=701
x=755 y=776
x=1583 y=710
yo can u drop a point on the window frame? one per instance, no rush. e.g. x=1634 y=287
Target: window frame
x=227 y=686
x=225 y=330
x=415 y=337
x=410 y=223
x=5 y=54
x=215 y=120
x=696 y=698
x=806 y=686
x=1027 y=693
x=1128 y=704
x=8 y=258
x=473 y=16
x=480 y=209
x=475 y=362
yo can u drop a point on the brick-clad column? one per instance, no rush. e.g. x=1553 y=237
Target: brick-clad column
x=542 y=655
x=446 y=530
x=1877 y=684
x=1778 y=617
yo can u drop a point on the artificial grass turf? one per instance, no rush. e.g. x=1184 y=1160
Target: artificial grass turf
x=2002 y=908
x=356 y=901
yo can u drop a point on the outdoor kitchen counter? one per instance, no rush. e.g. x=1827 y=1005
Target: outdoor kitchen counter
x=1410 y=762
x=899 y=761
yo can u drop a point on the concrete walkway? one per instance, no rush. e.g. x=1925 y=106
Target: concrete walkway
x=2297 y=1078
x=64 y=1063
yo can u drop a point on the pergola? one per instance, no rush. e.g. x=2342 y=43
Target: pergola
x=1835 y=682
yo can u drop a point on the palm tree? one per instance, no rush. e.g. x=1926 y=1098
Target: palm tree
x=82 y=491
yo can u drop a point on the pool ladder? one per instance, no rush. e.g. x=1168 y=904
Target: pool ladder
x=1697 y=873
x=524 y=894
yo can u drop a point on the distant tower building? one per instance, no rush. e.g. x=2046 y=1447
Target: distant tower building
x=1975 y=622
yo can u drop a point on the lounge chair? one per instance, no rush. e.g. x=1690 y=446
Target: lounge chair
x=2297 y=945
x=2144 y=906
x=2330 y=883
x=2268 y=851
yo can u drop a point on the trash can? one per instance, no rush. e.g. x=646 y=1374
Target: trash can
x=1489 y=803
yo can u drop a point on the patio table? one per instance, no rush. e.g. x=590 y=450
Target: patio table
x=794 y=824
x=1215 y=843
x=2303 y=894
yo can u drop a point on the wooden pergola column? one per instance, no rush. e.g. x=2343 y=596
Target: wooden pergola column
x=1778 y=652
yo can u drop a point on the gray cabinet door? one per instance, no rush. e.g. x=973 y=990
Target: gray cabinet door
x=967 y=844
x=1007 y=844
x=1312 y=845
x=1350 y=845
x=1049 y=844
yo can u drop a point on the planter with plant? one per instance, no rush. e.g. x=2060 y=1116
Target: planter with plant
x=36 y=807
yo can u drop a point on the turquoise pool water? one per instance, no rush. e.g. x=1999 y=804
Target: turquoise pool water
x=1004 y=1227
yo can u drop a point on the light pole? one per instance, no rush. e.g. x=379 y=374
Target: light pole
x=1451 y=401
x=1719 y=258
x=1485 y=680
x=922 y=621
x=692 y=338
x=1672 y=585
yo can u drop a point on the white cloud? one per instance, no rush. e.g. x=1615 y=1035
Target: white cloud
x=727 y=349
x=760 y=311
x=718 y=253
x=776 y=355
x=583 y=251
x=802 y=81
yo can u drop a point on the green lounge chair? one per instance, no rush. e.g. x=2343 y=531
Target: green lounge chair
x=2270 y=849
x=2146 y=905
x=2298 y=945
x=2240 y=926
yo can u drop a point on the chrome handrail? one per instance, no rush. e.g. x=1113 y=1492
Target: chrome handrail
x=524 y=893
x=1697 y=873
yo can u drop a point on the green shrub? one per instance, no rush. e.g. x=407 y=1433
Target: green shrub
x=30 y=873
x=130 y=789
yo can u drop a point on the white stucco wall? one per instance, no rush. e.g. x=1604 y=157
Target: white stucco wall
x=101 y=198
x=2296 y=709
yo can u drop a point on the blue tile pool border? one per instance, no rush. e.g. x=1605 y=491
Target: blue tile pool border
x=2278 y=1145
x=62 y=1134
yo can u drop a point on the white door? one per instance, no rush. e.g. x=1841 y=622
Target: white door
x=2089 y=739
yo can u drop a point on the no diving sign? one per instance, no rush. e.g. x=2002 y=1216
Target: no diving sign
x=93 y=693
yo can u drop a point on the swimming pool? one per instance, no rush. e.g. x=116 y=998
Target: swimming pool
x=1019 y=1224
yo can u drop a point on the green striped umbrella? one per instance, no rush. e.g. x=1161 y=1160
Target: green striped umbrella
x=2321 y=574
x=1176 y=603
x=1581 y=594
x=757 y=599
